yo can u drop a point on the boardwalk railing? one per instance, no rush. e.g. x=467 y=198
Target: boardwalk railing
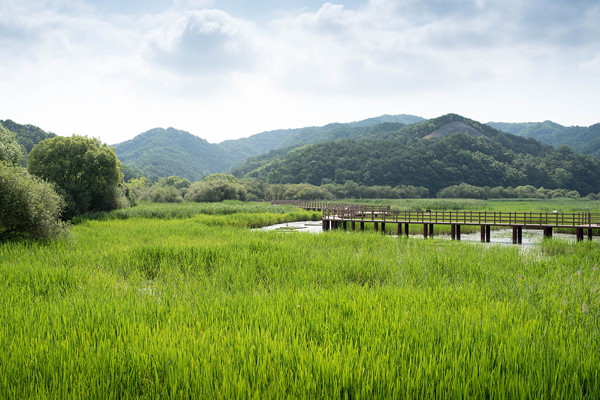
x=339 y=214
x=526 y=219
x=326 y=205
x=364 y=212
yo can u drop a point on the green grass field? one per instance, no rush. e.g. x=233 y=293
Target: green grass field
x=179 y=302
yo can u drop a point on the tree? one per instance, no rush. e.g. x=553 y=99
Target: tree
x=221 y=177
x=85 y=171
x=10 y=150
x=174 y=181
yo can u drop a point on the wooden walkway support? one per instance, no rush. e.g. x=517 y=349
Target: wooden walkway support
x=341 y=213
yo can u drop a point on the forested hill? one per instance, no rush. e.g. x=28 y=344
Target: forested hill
x=437 y=127
x=27 y=135
x=264 y=142
x=585 y=140
x=166 y=152
x=406 y=157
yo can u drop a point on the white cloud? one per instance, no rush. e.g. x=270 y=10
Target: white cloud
x=68 y=68
x=192 y=4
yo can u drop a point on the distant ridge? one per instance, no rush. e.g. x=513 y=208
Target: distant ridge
x=164 y=152
x=401 y=118
x=584 y=140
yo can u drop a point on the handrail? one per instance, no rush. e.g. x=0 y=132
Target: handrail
x=375 y=213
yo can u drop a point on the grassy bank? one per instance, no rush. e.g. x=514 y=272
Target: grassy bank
x=203 y=307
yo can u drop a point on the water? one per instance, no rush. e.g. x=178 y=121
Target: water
x=501 y=236
x=299 y=226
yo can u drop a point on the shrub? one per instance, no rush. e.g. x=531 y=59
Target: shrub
x=29 y=207
x=165 y=194
x=215 y=191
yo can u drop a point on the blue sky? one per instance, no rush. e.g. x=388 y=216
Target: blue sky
x=225 y=69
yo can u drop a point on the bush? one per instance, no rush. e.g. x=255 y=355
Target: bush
x=164 y=194
x=462 y=191
x=29 y=207
x=215 y=191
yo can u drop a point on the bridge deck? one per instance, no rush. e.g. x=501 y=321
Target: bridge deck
x=339 y=214
x=507 y=219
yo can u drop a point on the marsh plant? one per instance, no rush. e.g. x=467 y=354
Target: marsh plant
x=192 y=303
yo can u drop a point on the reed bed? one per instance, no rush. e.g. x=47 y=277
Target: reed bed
x=204 y=307
x=184 y=210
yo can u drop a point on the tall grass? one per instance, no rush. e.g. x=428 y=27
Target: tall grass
x=184 y=210
x=203 y=307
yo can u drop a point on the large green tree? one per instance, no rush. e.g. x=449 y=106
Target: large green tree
x=86 y=172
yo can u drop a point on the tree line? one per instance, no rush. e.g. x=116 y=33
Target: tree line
x=219 y=187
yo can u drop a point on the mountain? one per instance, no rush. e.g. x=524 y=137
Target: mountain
x=454 y=127
x=584 y=140
x=27 y=136
x=165 y=152
x=240 y=149
x=483 y=156
x=399 y=118
x=437 y=127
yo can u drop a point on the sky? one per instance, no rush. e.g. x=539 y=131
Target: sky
x=226 y=69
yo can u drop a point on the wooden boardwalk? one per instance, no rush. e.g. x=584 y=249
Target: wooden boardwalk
x=339 y=215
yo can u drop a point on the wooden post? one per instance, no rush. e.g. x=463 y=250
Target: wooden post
x=488 y=233
x=345 y=225
x=353 y=224
x=362 y=225
x=482 y=233
x=406 y=229
x=325 y=224
x=430 y=230
x=547 y=232
x=376 y=226
x=520 y=234
x=453 y=231
x=589 y=233
x=514 y=235
x=425 y=231
x=579 y=234
x=457 y=232
x=399 y=229
x=383 y=227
